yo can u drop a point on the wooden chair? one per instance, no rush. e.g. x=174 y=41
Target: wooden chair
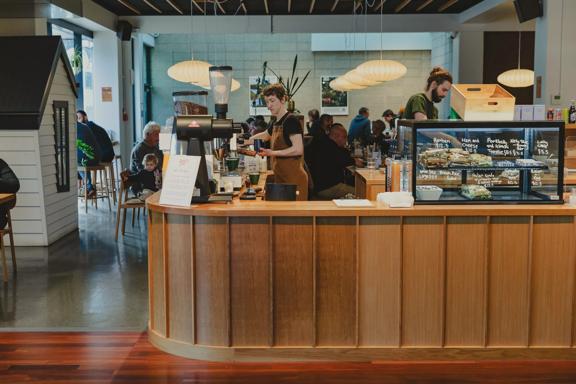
x=124 y=204
x=3 y=232
x=101 y=193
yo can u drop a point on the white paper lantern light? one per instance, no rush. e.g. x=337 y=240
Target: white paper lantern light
x=517 y=78
x=354 y=77
x=381 y=70
x=344 y=85
x=190 y=71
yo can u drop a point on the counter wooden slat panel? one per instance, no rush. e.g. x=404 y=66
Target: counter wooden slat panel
x=212 y=276
x=336 y=281
x=305 y=280
x=179 y=245
x=508 y=281
x=423 y=265
x=293 y=261
x=380 y=240
x=466 y=258
x=157 y=282
x=250 y=279
x=552 y=285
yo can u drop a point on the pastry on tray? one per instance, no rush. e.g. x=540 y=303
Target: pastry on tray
x=476 y=192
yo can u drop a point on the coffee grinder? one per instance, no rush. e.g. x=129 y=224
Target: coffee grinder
x=194 y=131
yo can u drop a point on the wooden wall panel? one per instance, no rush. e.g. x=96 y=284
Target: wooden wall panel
x=423 y=266
x=552 y=286
x=466 y=258
x=508 y=281
x=379 y=281
x=212 y=278
x=180 y=294
x=293 y=275
x=156 y=276
x=336 y=281
x=250 y=279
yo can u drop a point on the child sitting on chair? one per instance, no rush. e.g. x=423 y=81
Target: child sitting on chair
x=148 y=180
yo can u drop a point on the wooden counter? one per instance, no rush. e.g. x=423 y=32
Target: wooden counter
x=369 y=183
x=309 y=281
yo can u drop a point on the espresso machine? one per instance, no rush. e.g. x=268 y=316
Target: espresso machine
x=193 y=133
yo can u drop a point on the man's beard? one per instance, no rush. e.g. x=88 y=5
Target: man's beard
x=435 y=97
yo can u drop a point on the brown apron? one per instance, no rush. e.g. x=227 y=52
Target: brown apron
x=288 y=170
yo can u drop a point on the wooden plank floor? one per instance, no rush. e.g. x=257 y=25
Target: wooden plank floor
x=127 y=357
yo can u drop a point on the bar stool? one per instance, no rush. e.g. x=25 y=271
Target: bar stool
x=96 y=170
x=3 y=232
x=110 y=179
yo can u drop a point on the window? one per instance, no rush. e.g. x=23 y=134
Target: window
x=80 y=50
x=62 y=145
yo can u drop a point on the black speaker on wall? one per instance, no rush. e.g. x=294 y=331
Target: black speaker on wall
x=124 y=30
x=528 y=9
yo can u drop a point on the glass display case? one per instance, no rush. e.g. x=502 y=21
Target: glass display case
x=464 y=162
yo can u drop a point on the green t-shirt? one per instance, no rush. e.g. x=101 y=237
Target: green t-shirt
x=420 y=103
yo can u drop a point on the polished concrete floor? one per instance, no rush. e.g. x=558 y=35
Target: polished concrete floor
x=85 y=281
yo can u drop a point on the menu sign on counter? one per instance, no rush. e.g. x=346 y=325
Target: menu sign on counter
x=499 y=147
x=178 y=185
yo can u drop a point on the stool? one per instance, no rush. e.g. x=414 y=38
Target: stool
x=3 y=232
x=110 y=179
x=95 y=170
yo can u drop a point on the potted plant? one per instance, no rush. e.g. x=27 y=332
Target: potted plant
x=292 y=84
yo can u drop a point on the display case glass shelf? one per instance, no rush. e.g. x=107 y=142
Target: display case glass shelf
x=458 y=162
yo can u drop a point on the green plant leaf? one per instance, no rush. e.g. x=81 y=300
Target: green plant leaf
x=294 y=66
x=302 y=82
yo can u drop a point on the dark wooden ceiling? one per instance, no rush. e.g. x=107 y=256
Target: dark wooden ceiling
x=283 y=7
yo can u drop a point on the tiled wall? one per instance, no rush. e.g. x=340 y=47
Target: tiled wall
x=246 y=54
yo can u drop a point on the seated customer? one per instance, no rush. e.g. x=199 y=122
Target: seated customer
x=88 y=153
x=9 y=183
x=330 y=159
x=380 y=138
x=149 y=144
x=101 y=136
x=148 y=180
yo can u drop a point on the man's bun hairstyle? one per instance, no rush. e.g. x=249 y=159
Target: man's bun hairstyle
x=439 y=75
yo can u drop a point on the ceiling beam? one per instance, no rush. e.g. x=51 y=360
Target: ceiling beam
x=152 y=6
x=220 y=6
x=334 y=6
x=266 y=7
x=175 y=7
x=380 y=5
x=447 y=5
x=426 y=3
x=479 y=9
x=401 y=6
x=198 y=7
x=312 y=6
x=129 y=6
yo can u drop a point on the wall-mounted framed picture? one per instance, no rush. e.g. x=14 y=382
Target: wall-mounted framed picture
x=333 y=102
x=257 y=103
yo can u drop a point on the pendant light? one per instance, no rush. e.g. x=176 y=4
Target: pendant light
x=381 y=70
x=354 y=77
x=190 y=71
x=517 y=78
x=341 y=84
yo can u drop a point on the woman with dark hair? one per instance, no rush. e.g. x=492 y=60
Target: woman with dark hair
x=9 y=183
x=313 y=122
x=421 y=106
x=286 y=142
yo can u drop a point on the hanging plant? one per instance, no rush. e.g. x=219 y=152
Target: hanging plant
x=75 y=56
x=86 y=149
